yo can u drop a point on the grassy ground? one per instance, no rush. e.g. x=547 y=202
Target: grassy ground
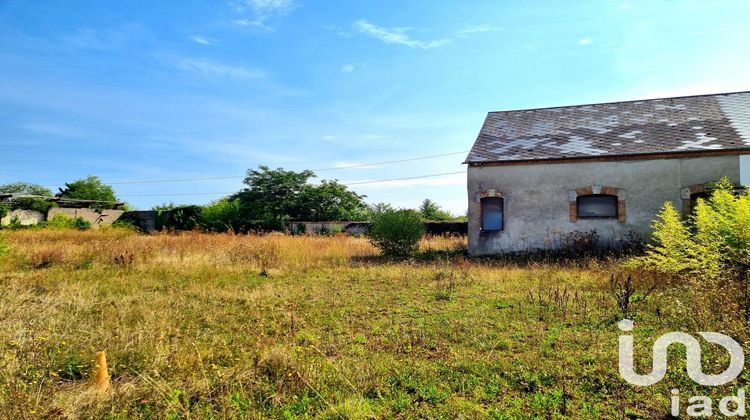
x=198 y=325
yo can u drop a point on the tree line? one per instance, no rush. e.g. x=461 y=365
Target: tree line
x=269 y=200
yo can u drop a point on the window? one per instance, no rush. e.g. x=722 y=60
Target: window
x=492 y=214
x=694 y=199
x=597 y=206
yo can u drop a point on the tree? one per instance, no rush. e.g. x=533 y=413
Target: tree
x=271 y=197
x=397 y=232
x=375 y=209
x=25 y=188
x=27 y=203
x=431 y=211
x=329 y=200
x=275 y=196
x=89 y=188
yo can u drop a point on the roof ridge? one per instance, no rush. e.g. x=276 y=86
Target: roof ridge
x=619 y=102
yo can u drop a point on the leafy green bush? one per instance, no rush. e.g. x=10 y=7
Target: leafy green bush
x=124 y=224
x=172 y=216
x=31 y=203
x=220 y=216
x=61 y=221
x=712 y=242
x=397 y=232
x=4 y=210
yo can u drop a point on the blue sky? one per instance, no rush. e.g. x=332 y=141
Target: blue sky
x=133 y=90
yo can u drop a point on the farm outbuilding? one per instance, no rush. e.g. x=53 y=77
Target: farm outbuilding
x=538 y=177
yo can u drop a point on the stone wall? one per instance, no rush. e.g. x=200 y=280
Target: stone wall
x=25 y=217
x=106 y=217
x=537 y=198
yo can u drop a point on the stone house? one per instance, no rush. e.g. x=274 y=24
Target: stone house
x=535 y=177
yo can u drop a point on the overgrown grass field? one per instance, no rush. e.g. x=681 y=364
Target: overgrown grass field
x=221 y=326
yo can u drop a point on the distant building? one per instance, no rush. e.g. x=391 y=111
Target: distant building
x=72 y=208
x=537 y=176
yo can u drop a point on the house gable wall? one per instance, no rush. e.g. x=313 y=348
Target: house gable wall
x=537 y=209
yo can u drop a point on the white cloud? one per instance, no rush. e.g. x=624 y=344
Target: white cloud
x=585 y=41
x=476 y=29
x=198 y=39
x=347 y=68
x=329 y=138
x=211 y=68
x=396 y=36
x=260 y=23
x=261 y=11
x=280 y=7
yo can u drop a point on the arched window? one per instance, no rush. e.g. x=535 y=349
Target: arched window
x=596 y=206
x=492 y=214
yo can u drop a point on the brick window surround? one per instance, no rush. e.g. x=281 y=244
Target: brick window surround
x=596 y=189
x=490 y=192
x=686 y=194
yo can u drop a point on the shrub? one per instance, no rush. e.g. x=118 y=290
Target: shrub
x=397 y=232
x=177 y=217
x=61 y=221
x=713 y=241
x=124 y=224
x=32 y=203
x=4 y=210
x=220 y=216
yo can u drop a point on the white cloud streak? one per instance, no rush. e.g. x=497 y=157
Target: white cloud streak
x=396 y=36
x=202 y=40
x=585 y=41
x=215 y=69
x=261 y=11
x=347 y=68
x=476 y=29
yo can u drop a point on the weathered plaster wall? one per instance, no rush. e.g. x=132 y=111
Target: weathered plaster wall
x=537 y=209
x=25 y=217
x=106 y=217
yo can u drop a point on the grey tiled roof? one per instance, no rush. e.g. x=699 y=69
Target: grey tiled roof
x=685 y=124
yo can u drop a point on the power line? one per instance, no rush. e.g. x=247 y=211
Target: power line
x=210 y=178
x=362 y=165
x=405 y=178
x=345 y=183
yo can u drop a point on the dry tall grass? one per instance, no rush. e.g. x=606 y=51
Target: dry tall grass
x=201 y=325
